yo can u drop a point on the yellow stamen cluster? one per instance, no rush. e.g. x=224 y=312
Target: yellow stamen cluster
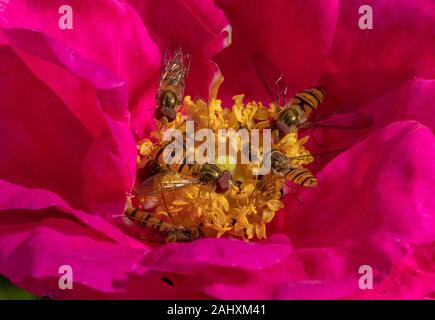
x=252 y=201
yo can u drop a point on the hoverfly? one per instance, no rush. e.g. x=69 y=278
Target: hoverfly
x=153 y=182
x=288 y=169
x=140 y=221
x=294 y=114
x=183 y=175
x=142 y=225
x=208 y=173
x=174 y=69
x=285 y=167
x=150 y=190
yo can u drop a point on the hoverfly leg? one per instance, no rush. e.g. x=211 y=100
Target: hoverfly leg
x=165 y=203
x=281 y=90
x=298 y=198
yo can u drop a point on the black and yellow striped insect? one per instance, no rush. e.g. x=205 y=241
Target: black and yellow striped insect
x=295 y=113
x=285 y=166
x=174 y=69
x=143 y=225
x=161 y=162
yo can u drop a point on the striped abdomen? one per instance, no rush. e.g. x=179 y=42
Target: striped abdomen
x=295 y=113
x=301 y=176
x=308 y=100
x=207 y=173
x=171 y=232
x=180 y=166
x=146 y=219
x=284 y=166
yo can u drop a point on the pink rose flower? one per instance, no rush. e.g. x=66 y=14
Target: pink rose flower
x=73 y=102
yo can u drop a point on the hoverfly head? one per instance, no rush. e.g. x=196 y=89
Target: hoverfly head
x=167 y=103
x=224 y=182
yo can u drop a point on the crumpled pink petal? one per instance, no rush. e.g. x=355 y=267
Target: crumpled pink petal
x=111 y=90
x=98 y=34
x=295 y=35
x=366 y=64
x=412 y=278
x=29 y=255
x=412 y=100
x=15 y=197
x=74 y=153
x=190 y=258
x=39 y=232
x=49 y=162
x=389 y=175
x=69 y=159
x=332 y=237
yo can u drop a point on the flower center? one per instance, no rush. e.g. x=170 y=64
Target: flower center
x=219 y=197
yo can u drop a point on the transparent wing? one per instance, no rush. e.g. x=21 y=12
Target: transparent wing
x=164 y=182
x=271 y=77
x=315 y=156
x=175 y=67
x=139 y=231
x=343 y=121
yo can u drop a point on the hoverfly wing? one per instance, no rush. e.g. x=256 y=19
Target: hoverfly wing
x=155 y=186
x=149 y=185
x=178 y=184
x=175 y=67
x=138 y=231
x=271 y=77
x=314 y=156
x=343 y=121
x=329 y=153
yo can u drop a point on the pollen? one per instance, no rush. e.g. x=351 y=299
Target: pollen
x=252 y=201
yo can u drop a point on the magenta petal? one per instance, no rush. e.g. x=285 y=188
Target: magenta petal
x=111 y=90
x=39 y=232
x=13 y=197
x=60 y=159
x=295 y=35
x=412 y=100
x=31 y=254
x=198 y=26
x=375 y=204
x=379 y=187
x=48 y=162
x=365 y=64
x=109 y=33
x=412 y=278
x=199 y=255
x=320 y=269
x=298 y=290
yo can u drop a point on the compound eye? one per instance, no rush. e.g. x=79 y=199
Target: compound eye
x=223 y=182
